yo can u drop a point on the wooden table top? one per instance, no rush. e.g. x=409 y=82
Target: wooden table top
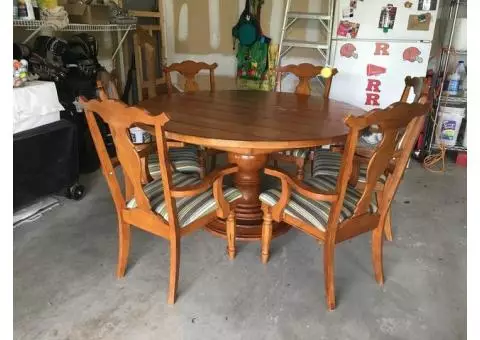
x=252 y=121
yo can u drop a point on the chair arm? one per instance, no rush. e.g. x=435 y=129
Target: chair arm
x=301 y=187
x=287 y=184
x=223 y=206
x=205 y=184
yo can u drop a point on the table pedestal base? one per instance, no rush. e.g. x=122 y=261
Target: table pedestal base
x=249 y=215
x=246 y=232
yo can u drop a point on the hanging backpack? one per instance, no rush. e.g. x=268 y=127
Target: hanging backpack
x=247 y=30
x=252 y=61
x=252 y=57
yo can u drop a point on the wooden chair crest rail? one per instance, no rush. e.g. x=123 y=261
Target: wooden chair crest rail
x=170 y=207
x=305 y=73
x=335 y=210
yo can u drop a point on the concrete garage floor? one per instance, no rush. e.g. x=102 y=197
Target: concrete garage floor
x=65 y=288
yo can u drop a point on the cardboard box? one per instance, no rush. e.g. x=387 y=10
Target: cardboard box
x=86 y=14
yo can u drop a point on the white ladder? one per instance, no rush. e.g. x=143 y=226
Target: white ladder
x=326 y=23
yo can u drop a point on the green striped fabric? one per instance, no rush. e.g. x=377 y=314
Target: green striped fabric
x=328 y=163
x=184 y=159
x=189 y=209
x=299 y=153
x=315 y=212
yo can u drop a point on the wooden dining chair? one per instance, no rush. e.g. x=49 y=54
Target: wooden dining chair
x=327 y=162
x=305 y=73
x=189 y=69
x=330 y=208
x=170 y=207
x=185 y=158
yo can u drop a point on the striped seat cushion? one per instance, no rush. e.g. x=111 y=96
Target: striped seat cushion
x=316 y=212
x=184 y=159
x=189 y=209
x=328 y=163
x=299 y=153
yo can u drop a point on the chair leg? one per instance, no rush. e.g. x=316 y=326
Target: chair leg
x=329 y=269
x=123 y=247
x=311 y=167
x=231 y=234
x=266 y=234
x=377 y=252
x=388 y=225
x=300 y=165
x=388 y=218
x=203 y=163
x=213 y=162
x=174 y=268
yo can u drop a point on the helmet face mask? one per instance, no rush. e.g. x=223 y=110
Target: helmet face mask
x=82 y=54
x=54 y=59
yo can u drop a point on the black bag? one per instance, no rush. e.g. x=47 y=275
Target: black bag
x=46 y=58
x=82 y=54
x=247 y=30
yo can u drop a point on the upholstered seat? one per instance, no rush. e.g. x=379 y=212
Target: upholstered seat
x=189 y=208
x=312 y=211
x=183 y=159
x=328 y=163
x=300 y=153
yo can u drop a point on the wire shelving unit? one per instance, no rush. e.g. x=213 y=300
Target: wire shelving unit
x=440 y=98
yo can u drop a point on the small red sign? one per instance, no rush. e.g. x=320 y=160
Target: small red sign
x=374 y=70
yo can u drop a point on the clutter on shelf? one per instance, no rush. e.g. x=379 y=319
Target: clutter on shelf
x=20 y=72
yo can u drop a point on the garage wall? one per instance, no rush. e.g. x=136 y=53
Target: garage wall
x=201 y=30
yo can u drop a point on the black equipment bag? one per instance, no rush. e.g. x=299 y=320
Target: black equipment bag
x=247 y=30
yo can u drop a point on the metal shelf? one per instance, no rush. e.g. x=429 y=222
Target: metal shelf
x=455 y=52
x=452 y=148
x=453 y=99
x=31 y=25
x=440 y=79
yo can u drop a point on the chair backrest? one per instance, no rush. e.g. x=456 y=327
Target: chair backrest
x=120 y=118
x=305 y=73
x=395 y=121
x=189 y=69
x=420 y=88
x=145 y=49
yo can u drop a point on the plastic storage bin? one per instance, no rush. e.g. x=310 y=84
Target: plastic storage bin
x=448 y=126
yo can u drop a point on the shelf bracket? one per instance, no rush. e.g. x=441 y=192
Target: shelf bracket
x=120 y=43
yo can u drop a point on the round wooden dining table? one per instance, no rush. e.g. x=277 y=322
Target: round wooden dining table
x=249 y=125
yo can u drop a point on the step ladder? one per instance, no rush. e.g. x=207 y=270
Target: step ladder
x=326 y=24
